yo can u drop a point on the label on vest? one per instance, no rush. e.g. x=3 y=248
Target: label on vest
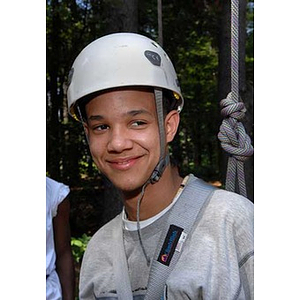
x=169 y=245
x=181 y=241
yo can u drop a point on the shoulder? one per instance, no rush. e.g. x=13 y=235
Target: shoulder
x=99 y=251
x=225 y=201
x=104 y=235
x=56 y=192
x=231 y=213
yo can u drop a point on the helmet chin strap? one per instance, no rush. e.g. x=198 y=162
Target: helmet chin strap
x=164 y=158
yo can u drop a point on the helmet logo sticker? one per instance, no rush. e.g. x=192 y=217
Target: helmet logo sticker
x=153 y=57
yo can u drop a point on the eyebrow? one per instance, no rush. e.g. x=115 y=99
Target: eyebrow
x=133 y=113
x=138 y=112
x=95 y=118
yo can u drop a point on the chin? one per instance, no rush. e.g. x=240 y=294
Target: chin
x=128 y=185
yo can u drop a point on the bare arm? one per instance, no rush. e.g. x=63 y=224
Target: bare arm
x=64 y=258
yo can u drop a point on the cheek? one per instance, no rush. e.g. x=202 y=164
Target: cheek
x=96 y=147
x=149 y=141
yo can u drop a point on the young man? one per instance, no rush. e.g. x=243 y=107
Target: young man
x=124 y=89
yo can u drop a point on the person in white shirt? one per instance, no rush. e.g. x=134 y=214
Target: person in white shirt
x=60 y=283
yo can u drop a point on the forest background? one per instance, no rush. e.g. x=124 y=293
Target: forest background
x=196 y=36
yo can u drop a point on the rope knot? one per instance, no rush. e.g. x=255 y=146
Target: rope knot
x=232 y=135
x=230 y=107
x=234 y=139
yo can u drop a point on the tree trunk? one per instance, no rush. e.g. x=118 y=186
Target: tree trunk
x=159 y=22
x=122 y=15
x=54 y=98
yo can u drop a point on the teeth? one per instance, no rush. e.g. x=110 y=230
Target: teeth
x=123 y=163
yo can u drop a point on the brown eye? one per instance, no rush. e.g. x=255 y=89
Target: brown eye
x=137 y=124
x=101 y=127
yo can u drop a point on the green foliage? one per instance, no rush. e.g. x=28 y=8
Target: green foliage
x=79 y=246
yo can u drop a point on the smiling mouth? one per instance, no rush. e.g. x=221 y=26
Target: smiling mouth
x=123 y=164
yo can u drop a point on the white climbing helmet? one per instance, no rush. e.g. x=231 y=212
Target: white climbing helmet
x=120 y=60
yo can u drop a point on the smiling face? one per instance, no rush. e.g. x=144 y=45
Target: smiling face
x=123 y=136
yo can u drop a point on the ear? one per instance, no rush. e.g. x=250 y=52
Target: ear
x=171 y=125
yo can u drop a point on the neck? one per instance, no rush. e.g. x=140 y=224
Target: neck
x=157 y=196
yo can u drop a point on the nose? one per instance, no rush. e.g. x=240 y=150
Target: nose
x=119 y=140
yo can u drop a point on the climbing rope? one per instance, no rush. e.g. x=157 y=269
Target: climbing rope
x=235 y=49
x=232 y=135
x=236 y=142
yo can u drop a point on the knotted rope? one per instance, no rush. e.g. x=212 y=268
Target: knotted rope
x=232 y=135
x=235 y=141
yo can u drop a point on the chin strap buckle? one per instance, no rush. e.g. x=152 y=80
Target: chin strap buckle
x=157 y=173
